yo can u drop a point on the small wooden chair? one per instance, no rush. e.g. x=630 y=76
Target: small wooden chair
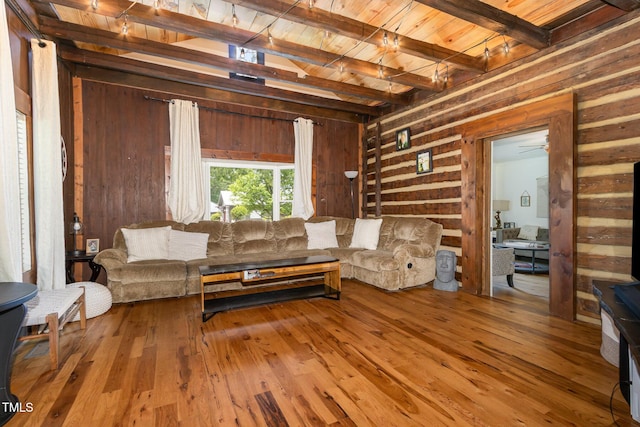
x=49 y=311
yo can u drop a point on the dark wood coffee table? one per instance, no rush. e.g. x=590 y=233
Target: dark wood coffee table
x=254 y=273
x=529 y=267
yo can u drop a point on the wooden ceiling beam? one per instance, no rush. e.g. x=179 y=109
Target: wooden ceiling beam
x=626 y=5
x=493 y=19
x=215 y=95
x=195 y=27
x=79 y=33
x=102 y=60
x=358 y=30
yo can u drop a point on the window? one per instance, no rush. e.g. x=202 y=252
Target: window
x=23 y=171
x=241 y=190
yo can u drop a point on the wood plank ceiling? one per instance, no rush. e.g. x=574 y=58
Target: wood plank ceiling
x=361 y=57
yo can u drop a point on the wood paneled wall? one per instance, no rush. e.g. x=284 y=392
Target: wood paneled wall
x=123 y=140
x=601 y=69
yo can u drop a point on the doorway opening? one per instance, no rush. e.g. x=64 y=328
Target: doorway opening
x=520 y=240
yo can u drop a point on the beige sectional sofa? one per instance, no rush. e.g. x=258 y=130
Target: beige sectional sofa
x=403 y=257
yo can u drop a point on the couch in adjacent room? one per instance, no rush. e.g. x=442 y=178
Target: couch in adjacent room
x=161 y=259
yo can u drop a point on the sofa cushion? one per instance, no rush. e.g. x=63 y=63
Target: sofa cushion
x=147 y=243
x=220 y=242
x=321 y=235
x=366 y=233
x=528 y=232
x=290 y=234
x=253 y=236
x=375 y=260
x=187 y=246
x=344 y=228
x=118 y=238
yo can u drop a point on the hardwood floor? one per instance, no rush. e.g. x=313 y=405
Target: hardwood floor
x=525 y=285
x=410 y=358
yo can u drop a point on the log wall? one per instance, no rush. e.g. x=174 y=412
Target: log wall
x=601 y=70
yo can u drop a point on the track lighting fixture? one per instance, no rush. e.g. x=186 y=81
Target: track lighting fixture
x=380 y=71
x=341 y=67
x=94 y=4
x=396 y=42
x=385 y=39
x=269 y=36
x=156 y=4
x=234 y=17
x=446 y=74
x=436 y=76
x=311 y=2
x=242 y=53
x=486 y=50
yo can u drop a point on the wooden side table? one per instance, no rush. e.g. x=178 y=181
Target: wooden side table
x=71 y=259
x=13 y=295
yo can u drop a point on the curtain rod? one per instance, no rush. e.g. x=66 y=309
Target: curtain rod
x=217 y=110
x=25 y=21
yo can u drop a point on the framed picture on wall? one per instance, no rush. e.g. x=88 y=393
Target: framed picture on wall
x=525 y=200
x=403 y=139
x=424 y=162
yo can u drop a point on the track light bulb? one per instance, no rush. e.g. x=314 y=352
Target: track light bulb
x=341 y=67
x=156 y=4
x=436 y=75
x=94 y=4
x=242 y=53
x=396 y=42
x=234 y=17
x=486 y=50
x=380 y=71
x=385 y=39
x=311 y=4
x=125 y=28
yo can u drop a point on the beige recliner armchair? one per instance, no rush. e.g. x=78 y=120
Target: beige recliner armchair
x=503 y=263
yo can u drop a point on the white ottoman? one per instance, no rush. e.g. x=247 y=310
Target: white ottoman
x=98 y=298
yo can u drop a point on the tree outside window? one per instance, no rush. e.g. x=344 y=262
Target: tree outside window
x=250 y=190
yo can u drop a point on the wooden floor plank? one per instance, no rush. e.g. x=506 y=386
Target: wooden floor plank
x=408 y=358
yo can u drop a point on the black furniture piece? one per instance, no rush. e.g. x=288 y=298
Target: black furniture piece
x=13 y=295
x=71 y=259
x=626 y=318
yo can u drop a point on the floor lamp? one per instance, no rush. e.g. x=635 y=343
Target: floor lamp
x=352 y=175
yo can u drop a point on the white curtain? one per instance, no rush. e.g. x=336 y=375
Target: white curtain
x=47 y=167
x=10 y=250
x=186 y=193
x=302 y=203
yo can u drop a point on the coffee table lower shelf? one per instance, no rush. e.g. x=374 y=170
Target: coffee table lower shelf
x=217 y=305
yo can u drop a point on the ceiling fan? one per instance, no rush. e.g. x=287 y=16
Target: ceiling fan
x=539 y=146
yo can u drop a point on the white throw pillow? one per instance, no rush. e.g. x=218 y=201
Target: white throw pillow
x=321 y=235
x=528 y=232
x=146 y=243
x=186 y=246
x=366 y=233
